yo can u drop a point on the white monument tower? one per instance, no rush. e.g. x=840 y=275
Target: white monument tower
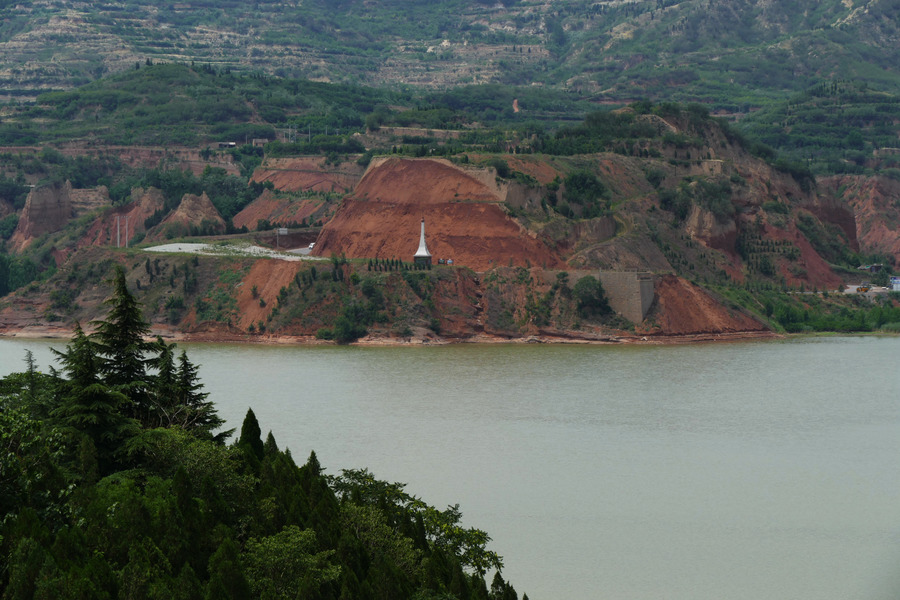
x=423 y=256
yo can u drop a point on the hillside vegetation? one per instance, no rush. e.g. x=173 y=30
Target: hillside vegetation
x=734 y=55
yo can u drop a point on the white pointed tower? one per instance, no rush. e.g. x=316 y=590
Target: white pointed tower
x=422 y=256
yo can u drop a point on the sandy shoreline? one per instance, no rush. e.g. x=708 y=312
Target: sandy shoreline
x=219 y=337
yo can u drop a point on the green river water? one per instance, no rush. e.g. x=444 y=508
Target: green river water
x=757 y=470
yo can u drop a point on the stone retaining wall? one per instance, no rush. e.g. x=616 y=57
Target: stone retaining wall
x=630 y=293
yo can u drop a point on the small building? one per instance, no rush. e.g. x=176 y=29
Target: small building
x=875 y=268
x=422 y=256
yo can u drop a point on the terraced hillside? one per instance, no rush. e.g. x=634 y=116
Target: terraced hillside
x=734 y=55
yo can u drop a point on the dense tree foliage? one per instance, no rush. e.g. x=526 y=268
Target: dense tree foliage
x=114 y=484
x=590 y=297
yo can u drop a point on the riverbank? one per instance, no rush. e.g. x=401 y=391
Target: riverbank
x=223 y=337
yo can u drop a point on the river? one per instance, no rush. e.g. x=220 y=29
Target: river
x=766 y=469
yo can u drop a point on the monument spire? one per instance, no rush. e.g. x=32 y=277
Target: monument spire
x=422 y=256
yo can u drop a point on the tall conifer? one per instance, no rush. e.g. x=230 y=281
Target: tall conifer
x=120 y=341
x=251 y=435
x=88 y=406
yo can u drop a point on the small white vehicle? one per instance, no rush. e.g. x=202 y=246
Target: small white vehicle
x=312 y=245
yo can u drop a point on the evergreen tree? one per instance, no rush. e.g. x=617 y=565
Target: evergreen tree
x=270 y=448
x=251 y=435
x=479 y=588
x=502 y=590
x=177 y=396
x=88 y=406
x=25 y=565
x=226 y=577
x=120 y=341
x=164 y=384
x=187 y=586
x=200 y=414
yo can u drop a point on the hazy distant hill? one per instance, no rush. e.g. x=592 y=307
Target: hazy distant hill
x=735 y=55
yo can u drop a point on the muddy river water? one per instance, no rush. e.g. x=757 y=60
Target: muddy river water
x=741 y=471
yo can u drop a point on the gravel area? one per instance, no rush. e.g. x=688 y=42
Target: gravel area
x=229 y=250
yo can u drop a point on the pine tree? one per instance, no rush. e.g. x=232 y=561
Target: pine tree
x=120 y=341
x=270 y=448
x=200 y=414
x=26 y=563
x=251 y=435
x=164 y=384
x=89 y=407
x=226 y=577
x=187 y=586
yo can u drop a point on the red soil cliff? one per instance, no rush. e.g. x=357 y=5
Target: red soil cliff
x=464 y=218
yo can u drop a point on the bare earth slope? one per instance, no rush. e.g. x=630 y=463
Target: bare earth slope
x=876 y=204
x=682 y=308
x=464 y=218
x=47 y=209
x=193 y=211
x=308 y=173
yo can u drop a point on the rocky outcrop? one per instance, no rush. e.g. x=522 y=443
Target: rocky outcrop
x=119 y=225
x=195 y=214
x=876 y=211
x=84 y=201
x=47 y=209
x=713 y=231
x=828 y=207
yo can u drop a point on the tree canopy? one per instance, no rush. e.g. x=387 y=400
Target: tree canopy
x=116 y=483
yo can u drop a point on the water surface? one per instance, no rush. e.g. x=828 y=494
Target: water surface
x=744 y=470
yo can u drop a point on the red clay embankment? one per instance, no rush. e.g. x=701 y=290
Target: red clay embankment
x=465 y=219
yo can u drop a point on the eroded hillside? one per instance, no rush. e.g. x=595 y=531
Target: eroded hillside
x=271 y=300
x=664 y=191
x=464 y=213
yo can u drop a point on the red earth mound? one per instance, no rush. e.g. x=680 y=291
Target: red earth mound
x=268 y=277
x=809 y=268
x=47 y=209
x=537 y=167
x=683 y=308
x=382 y=219
x=424 y=181
x=193 y=211
x=308 y=174
x=278 y=211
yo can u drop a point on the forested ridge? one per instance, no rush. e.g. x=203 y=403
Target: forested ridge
x=117 y=481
